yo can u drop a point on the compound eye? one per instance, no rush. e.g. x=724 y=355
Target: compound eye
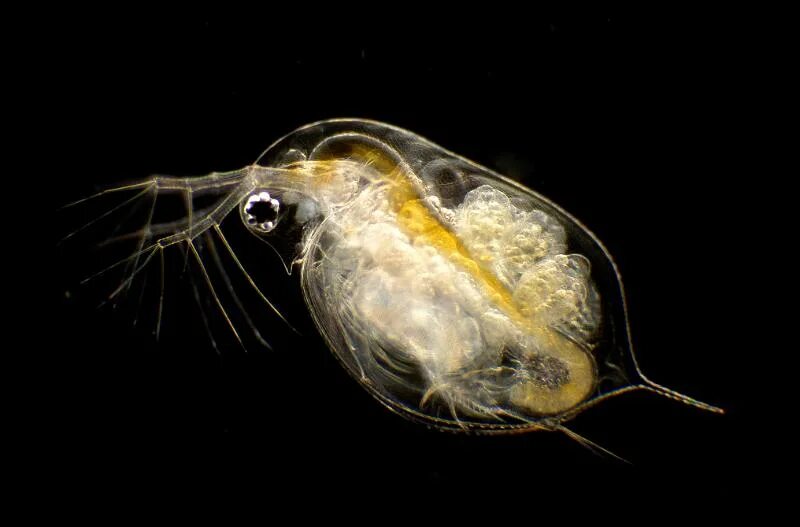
x=261 y=212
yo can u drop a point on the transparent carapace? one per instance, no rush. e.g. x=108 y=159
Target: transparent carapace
x=457 y=297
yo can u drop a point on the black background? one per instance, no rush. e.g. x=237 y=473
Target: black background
x=622 y=121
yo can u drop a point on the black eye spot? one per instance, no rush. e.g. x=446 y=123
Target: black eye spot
x=261 y=212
